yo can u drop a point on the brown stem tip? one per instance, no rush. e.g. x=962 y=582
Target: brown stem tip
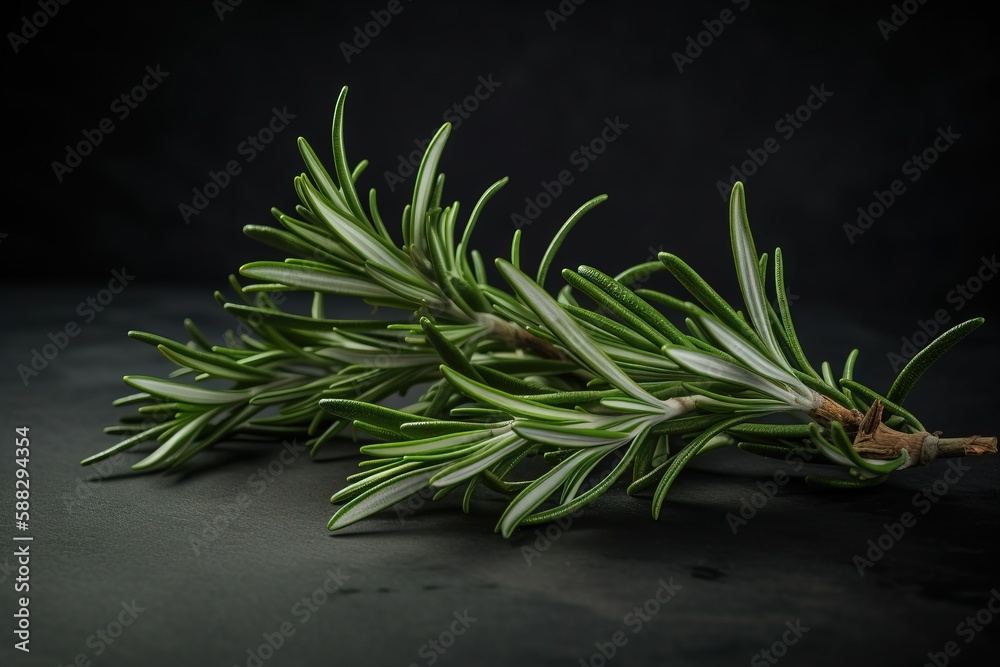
x=875 y=440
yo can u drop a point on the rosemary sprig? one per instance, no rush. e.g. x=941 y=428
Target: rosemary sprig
x=513 y=371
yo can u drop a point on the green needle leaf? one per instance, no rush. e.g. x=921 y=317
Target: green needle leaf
x=689 y=452
x=563 y=326
x=321 y=177
x=352 y=410
x=704 y=293
x=723 y=371
x=573 y=504
x=340 y=160
x=312 y=280
x=786 y=316
x=460 y=252
x=535 y=493
x=514 y=405
x=176 y=442
x=173 y=391
x=557 y=240
x=382 y=496
x=650 y=321
x=924 y=359
x=747 y=270
x=423 y=190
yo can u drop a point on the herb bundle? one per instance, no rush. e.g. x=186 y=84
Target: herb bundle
x=510 y=375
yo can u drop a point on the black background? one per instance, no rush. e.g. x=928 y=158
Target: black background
x=119 y=208
x=685 y=130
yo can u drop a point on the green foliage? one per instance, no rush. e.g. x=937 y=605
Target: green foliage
x=513 y=376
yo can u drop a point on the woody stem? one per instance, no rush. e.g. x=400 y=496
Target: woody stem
x=875 y=440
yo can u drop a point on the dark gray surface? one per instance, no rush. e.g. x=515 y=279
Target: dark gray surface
x=129 y=537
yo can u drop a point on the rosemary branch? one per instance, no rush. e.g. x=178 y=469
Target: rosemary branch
x=512 y=372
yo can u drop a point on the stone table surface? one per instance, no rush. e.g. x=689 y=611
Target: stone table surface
x=229 y=561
